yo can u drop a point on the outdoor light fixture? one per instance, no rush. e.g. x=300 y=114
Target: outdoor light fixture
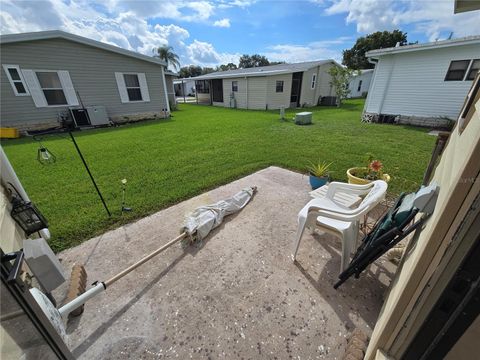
x=44 y=156
x=27 y=216
x=124 y=190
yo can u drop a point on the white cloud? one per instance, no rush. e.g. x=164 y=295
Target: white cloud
x=180 y=10
x=428 y=17
x=318 y=50
x=122 y=26
x=204 y=53
x=225 y=4
x=222 y=23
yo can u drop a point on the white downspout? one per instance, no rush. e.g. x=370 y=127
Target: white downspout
x=165 y=90
x=246 y=91
x=386 y=86
x=374 y=62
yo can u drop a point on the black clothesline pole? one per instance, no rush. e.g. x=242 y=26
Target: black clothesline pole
x=89 y=173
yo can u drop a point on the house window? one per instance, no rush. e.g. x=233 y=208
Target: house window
x=279 y=86
x=474 y=68
x=52 y=88
x=202 y=86
x=314 y=80
x=359 y=85
x=15 y=78
x=234 y=86
x=457 y=70
x=133 y=87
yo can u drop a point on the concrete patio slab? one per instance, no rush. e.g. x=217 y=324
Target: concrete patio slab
x=235 y=296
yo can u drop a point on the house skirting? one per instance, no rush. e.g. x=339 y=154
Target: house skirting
x=430 y=122
x=119 y=119
x=23 y=127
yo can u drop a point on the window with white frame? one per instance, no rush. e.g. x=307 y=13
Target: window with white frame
x=314 y=80
x=474 y=68
x=16 y=80
x=132 y=87
x=51 y=87
x=234 y=86
x=279 y=86
x=359 y=85
x=456 y=70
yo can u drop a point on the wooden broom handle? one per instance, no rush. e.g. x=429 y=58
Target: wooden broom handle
x=143 y=260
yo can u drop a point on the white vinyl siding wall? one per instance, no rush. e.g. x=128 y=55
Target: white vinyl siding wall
x=365 y=78
x=239 y=95
x=92 y=73
x=276 y=100
x=412 y=84
x=257 y=92
x=308 y=94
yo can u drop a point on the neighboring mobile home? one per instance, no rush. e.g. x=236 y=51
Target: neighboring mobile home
x=268 y=87
x=46 y=73
x=184 y=87
x=360 y=83
x=170 y=80
x=422 y=84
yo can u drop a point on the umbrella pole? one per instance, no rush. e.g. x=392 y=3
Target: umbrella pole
x=143 y=260
x=102 y=286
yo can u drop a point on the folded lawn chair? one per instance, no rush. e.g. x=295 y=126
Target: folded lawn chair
x=392 y=228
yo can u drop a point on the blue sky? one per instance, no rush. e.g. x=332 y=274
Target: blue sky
x=210 y=33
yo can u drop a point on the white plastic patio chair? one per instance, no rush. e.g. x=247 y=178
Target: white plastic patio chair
x=327 y=215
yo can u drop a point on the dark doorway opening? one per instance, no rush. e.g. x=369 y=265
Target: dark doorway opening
x=296 y=89
x=217 y=90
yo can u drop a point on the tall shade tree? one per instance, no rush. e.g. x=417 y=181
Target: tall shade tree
x=354 y=58
x=166 y=53
x=255 y=60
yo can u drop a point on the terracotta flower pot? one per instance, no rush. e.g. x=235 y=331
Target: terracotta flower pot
x=352 y=179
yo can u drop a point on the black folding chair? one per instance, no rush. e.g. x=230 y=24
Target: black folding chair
x=394 y=226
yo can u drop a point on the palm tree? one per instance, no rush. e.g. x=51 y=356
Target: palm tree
x=166 y=53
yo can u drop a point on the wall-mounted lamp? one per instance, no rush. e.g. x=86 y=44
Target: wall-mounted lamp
x=27 y=216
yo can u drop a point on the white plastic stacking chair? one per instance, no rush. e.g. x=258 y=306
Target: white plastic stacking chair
x=327 y=215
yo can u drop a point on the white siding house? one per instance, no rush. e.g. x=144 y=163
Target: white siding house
x=184 y=87
x=422 y=84
x=46 y=73
x=267 y=87
x=360 y=83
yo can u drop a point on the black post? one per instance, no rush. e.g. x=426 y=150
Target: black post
x=89 y=173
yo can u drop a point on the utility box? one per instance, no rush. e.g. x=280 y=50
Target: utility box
x=80 y=116
x=43 y=263
x=98 y=115
x=303 y=118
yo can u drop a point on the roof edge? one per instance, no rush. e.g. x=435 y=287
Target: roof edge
x=468 y=40
x=54 y=34
x=228 y=74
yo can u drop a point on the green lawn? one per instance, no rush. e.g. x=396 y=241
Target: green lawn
x=201 y=147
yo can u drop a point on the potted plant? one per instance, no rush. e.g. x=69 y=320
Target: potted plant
x=319 y=174
x=365 y=175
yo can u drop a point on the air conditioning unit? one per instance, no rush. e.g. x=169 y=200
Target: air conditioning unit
x=98 y=115
x=80 y=117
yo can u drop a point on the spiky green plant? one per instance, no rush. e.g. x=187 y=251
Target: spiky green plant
x=319 y=169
